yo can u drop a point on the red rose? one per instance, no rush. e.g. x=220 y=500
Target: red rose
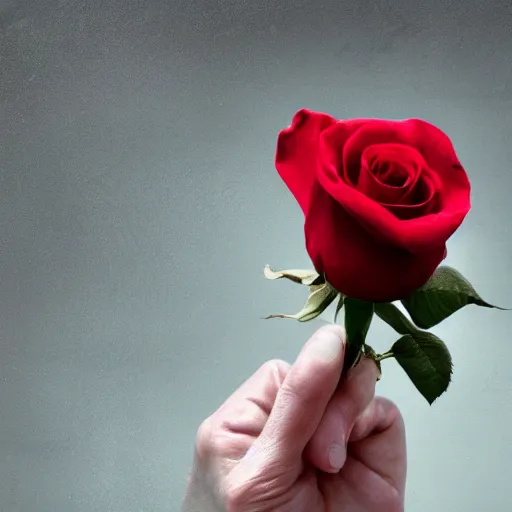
x=380 y=199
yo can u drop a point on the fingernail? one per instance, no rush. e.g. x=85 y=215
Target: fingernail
x=326 y=344
x=337 y=457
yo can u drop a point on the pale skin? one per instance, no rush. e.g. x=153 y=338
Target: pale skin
x=297 y=439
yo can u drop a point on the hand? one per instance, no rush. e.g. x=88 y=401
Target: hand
x=299 y=439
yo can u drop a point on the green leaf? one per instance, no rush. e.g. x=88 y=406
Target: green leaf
x=319 y=299
x=427 y=362
x=423 y=356
x=394 y=318
x=358 y=317
x=307 y=277
x=339 y=306
x=446 y=292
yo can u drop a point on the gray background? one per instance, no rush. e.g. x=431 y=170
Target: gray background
x=139 y=204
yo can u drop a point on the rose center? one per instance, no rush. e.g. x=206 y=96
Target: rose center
x=391 y=173
x=397 y=177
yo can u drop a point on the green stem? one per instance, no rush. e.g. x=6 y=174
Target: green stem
x=386 y=355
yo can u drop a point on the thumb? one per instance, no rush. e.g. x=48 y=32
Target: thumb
x=303 y=397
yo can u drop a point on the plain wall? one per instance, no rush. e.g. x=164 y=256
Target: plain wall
x=139 y=204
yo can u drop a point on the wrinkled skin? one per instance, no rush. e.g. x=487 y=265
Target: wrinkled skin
x=267 y=448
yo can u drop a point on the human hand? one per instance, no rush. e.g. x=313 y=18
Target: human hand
x=299 y=439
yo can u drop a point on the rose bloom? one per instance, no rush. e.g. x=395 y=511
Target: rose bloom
x=380 y=199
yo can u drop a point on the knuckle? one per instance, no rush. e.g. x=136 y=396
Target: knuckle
x=335 y=329
x=212 y=441
x=277 y=367
x=391 y=410
x=388 y=499
x=392 y=502
x=204 y=437
x=275 y=364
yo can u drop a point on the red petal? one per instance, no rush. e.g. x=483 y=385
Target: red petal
x=418 y=234
x=357 y=263
x=429 y=204
x=332 y=142
x=297 y=153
